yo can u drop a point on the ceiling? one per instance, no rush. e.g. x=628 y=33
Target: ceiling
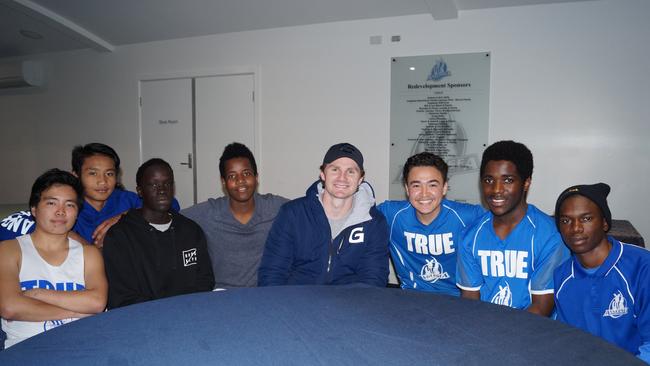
x=104 y=24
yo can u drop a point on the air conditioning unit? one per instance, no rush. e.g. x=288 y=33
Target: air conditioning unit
x=21 y=74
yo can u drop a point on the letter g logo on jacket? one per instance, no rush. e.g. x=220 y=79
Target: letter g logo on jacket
x=356 y=235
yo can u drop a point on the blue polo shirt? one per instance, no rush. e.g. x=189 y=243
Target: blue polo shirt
x=425 y=255
x=509 y=271
x=612 y=302
x=22 y=222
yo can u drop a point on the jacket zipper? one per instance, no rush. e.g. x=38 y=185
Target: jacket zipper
x=329 y=259
x=338 y=251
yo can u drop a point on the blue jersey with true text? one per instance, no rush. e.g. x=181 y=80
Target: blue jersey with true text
x=509 y=271
x=425 y=255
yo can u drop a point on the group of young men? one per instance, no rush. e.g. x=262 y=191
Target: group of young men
x=511 y=254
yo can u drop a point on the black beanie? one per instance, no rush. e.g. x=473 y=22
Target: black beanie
x=595 y=192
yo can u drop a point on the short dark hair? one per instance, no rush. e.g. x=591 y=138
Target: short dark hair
x=236 y=150
x=512 y=151
x=81 y=153
x=425 y=159
x=139 y=175
x=51 y=178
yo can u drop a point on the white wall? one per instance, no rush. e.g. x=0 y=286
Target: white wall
x=571 y=81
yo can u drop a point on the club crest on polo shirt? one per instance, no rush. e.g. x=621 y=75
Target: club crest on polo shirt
x=617 y=307
x=432 y=271
x=503 y=296
x=189 y=257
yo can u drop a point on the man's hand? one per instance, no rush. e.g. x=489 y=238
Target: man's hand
x=100 y=232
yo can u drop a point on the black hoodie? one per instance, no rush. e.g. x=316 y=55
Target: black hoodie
x=145 y=264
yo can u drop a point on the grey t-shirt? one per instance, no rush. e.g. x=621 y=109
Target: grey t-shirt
x=337 y=225
x=235 y=248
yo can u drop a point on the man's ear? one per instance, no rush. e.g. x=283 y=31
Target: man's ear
x=139 y=191
x=445 y=188
x=527 y=184
x=605 y=225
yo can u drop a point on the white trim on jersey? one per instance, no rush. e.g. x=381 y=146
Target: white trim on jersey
x=542 y=292
x=469 y=288
x=532 y=252
x=455 y=213
x=620 y=253
x=557 y=294
x=627 y=285
x=531 y=221
x=390 y=238
x=532 y=246
x=476 y=235
x=398 y=254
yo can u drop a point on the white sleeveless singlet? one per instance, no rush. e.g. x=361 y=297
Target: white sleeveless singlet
x=35 y=272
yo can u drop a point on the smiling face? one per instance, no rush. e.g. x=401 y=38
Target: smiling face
x=341 y=178
x=157 y=189
x=98 y=178
x=240 y=180
x=503 y=189
x=582 y=226
x=57 y=210
x=425 y=188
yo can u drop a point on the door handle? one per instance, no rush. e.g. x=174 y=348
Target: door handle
x=189 y=161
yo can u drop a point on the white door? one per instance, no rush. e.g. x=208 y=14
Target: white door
x=166 y=130
x=225 y=113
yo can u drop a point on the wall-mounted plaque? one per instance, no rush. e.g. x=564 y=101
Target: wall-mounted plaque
x=440 y=104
